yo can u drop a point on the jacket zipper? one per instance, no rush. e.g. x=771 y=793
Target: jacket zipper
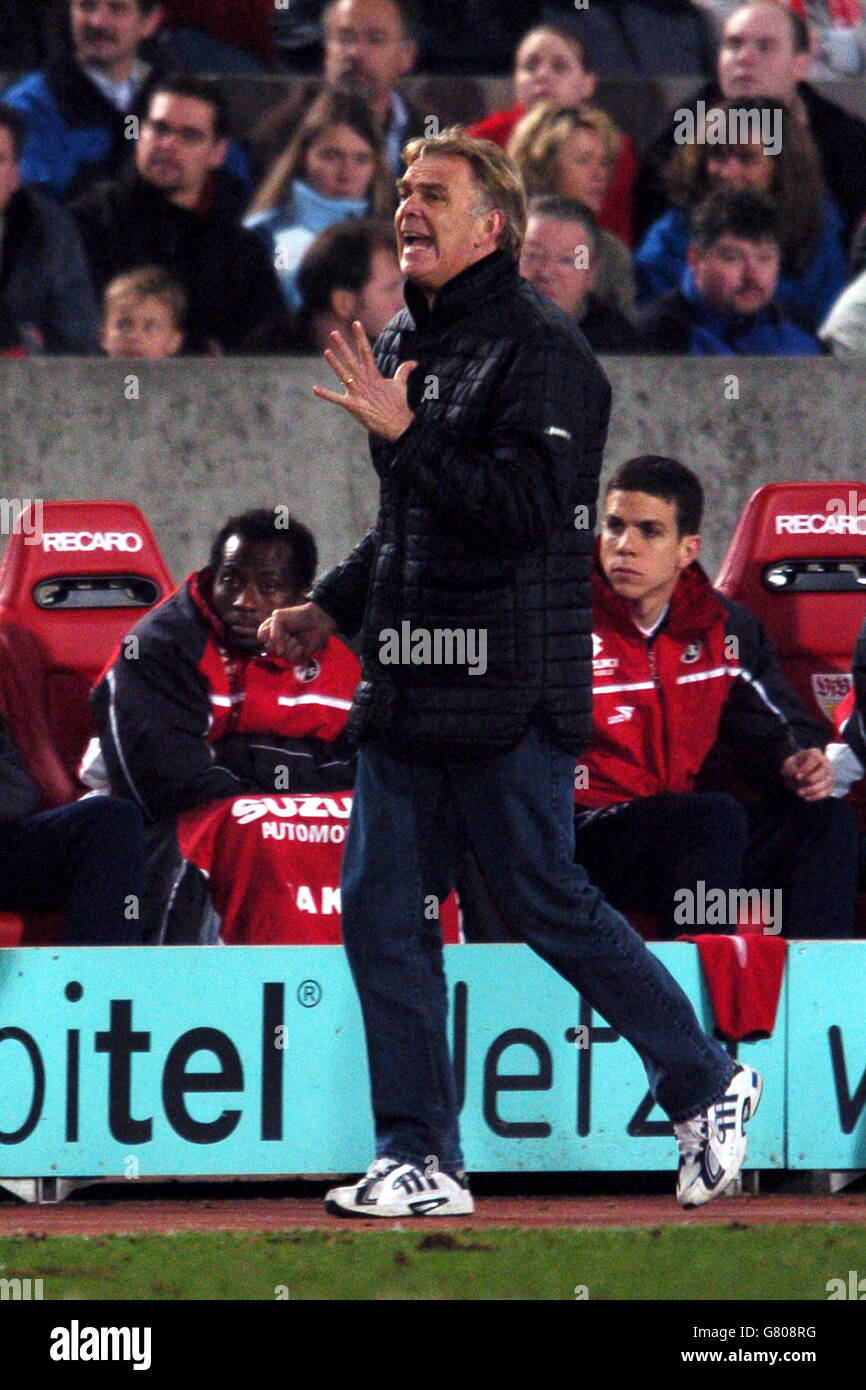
x=654 y=673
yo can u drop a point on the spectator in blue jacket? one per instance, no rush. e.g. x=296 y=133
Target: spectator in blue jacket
x=725 y=302
x=83 y=108
x=813 y=269
x=77 y=107
x=45 y=288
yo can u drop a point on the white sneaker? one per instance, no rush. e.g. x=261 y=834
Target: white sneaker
x=390 y=1188
x=713 y=1144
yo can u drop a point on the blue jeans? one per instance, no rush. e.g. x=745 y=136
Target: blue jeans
x=408 y=824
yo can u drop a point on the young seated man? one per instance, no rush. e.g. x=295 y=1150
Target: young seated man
x=84 y=860
x=183 y=708
x=725 y=301
x=143 y=315
x=681 y=673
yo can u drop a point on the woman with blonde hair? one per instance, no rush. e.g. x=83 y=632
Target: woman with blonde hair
x=813 y=267
x=571 y=151
x=333 y=168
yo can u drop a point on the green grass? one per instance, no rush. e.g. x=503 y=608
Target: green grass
x=729 y=1262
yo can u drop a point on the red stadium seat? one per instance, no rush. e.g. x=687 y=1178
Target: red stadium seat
x=70 y=589
x=77 y=586
x=798 y=561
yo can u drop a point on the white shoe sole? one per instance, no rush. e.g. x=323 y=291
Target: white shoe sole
x=340 y=1201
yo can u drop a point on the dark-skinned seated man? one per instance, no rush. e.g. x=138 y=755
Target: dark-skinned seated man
x=685 y=679
x=192 y=712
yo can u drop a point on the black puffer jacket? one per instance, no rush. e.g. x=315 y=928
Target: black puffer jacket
x=486 y=518
x=233 y=293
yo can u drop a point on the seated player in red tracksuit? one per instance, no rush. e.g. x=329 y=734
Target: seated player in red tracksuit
x=685 y=680
x=183 y=707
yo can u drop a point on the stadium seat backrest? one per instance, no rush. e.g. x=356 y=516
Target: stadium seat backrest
x=75 y=578
x=798 y=562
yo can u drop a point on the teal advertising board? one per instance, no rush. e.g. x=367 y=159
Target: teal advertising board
x=250 y=1061
x=826 y=1067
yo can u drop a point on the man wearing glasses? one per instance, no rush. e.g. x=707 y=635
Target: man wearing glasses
x=169 y=209
x=368 y=48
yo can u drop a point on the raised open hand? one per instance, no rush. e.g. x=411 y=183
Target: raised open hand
x=379 y=402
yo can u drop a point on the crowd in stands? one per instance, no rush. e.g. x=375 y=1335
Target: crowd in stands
x=139 y=220
x=169 y=207
x=121 y=151
x=813 y=270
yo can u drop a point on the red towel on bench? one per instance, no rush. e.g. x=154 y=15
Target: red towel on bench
x=744 y=977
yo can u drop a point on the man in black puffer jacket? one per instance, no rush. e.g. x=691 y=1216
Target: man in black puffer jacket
x=487 y=414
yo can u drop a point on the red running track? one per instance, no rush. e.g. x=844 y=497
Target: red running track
x=95 y=1217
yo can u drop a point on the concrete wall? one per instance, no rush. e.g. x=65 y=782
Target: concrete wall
x=205 y=438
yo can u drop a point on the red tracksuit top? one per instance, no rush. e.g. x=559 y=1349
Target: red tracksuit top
x=659 y=703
